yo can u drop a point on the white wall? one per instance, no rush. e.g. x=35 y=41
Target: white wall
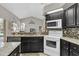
x=23 y=10
x=4 y=13
x=7 y=15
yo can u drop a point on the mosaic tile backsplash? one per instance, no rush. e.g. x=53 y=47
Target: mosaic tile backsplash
x=71 y=32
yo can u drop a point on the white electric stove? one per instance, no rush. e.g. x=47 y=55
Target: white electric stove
x=52 y=43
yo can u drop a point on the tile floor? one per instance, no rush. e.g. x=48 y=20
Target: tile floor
x=33 y=54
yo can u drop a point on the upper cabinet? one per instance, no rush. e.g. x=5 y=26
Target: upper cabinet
x=77 y=14
x=54 y=16
x=70 y=16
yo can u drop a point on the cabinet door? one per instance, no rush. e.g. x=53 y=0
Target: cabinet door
x=31 y=44
x=64 y=47
x=37 y=44
x=34 y=47
x=77 y=14
x=70 y=17
x=73 y=53
x=25 y=44
x=74 y=49
x=64 y=52
x=25 y=47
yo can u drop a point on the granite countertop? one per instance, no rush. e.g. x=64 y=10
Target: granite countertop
x=25 y=35
x=72 y=40
x=8 y=48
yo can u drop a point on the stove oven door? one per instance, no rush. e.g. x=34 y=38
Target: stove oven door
x=52 y=44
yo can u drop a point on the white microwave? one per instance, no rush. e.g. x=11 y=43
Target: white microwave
x=52 y=24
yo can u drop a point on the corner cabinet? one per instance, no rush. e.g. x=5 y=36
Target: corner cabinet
x=68 y=48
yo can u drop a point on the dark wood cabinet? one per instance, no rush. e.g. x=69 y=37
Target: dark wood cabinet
x=68 y=48
x=13 y=39
x=31 y=44
x=74 y=49
x=25 y=47
x=70 y=16
x=78 y=15
x=54 y=16
x=47 y=17
x=15 y=52
x=64 y=48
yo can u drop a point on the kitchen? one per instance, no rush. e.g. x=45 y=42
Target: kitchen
x=39 y=29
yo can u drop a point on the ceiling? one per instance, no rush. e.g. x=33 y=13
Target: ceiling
x=23 y=10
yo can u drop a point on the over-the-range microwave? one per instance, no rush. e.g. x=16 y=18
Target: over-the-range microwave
x=54 y=24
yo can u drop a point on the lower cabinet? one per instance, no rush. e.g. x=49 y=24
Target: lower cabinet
x=31 y=44
x=74 y=49
x=15 y=52
x=68 y=48
x=64 y=48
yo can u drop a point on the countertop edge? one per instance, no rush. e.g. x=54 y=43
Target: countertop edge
x=25 y=35
x=5 y=52
x=72 y=40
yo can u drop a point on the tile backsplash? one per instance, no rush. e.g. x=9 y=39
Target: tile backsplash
x=71 y=32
